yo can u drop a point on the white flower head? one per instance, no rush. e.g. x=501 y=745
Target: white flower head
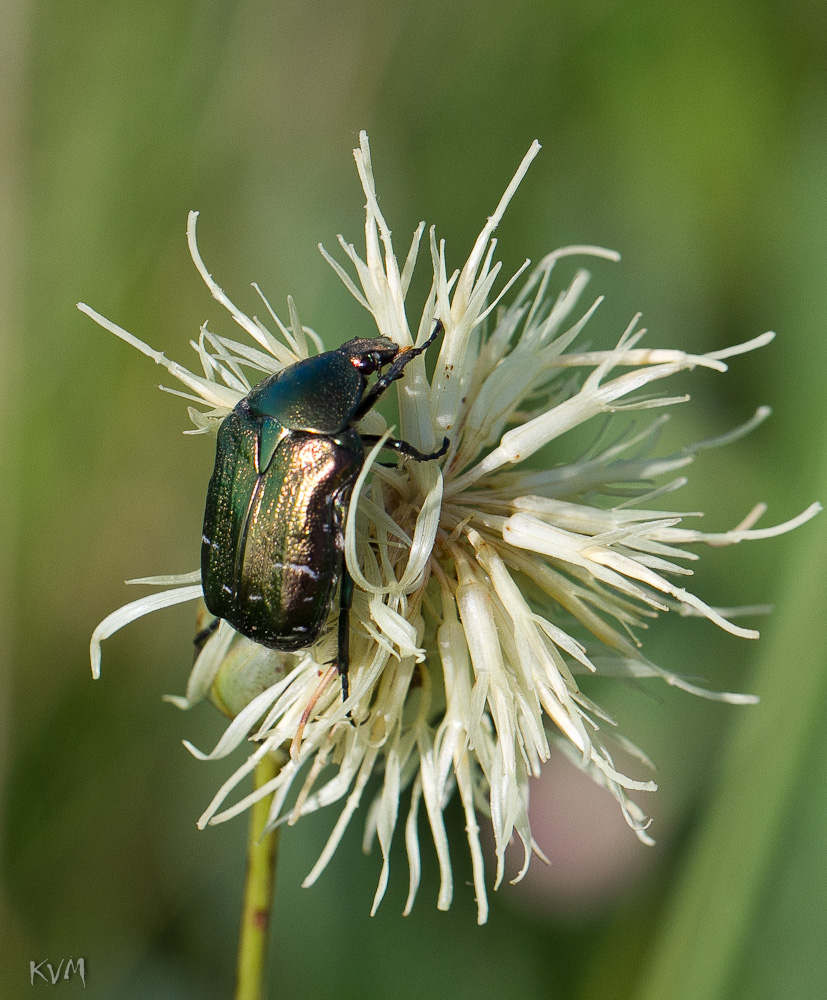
x=484 y=588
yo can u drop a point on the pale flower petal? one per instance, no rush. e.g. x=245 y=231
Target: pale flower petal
x=131 y=612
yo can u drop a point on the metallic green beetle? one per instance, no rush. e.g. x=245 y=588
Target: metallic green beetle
x=286 y=461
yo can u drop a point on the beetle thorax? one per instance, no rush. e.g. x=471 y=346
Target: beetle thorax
x=319 y=394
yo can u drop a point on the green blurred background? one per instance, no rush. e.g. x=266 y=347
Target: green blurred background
x=691 y=138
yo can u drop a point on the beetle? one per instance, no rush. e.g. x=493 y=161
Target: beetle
x=287 y=457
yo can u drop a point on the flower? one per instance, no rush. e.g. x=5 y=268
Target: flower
x=484 y=588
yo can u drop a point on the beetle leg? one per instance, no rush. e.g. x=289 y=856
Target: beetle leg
x=343 y=654
x=406 y=449
x=202 y=635
x=395 y=371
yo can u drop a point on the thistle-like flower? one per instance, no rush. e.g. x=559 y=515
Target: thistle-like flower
x=484 y=588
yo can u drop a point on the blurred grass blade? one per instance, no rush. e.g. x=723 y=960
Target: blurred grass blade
x=718 y=903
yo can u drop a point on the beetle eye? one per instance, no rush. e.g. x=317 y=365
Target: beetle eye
x=367 y=363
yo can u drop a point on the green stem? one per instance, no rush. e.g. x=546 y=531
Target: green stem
x=259 y=889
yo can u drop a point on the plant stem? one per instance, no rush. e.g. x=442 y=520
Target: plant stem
x=259 y=889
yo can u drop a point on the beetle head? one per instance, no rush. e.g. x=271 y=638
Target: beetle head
x=369 y=355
